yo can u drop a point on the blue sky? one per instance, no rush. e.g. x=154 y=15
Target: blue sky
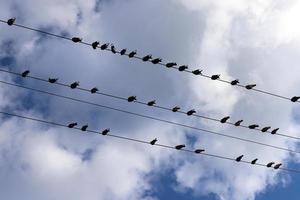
x=253 y=41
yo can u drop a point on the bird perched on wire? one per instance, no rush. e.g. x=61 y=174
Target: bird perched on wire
x=238 y=159
x=235 y=82
x=95 y=44
x=72 y=125
x=182 y=68
x=277 y=166
x=25 y=73
x=151 y=103
x=123 y=51
x=215 y=77
x=74 y=85
x=104 y=46
x=11 y=21
x=52 y=80
x=131 y=98
x=105 y=131
x=113 y=49
x=84 y=127
x=197 y=72
x=295 y=98
x=199 y=150
x=171 y=64
x=76 y=39
x=274 y=131
x=175 y=109
x=181 y=146
x=156 y=60
x=147 y=58
x=191 y=112
x=253 y=126
x=270 y=164
x=265 y=129
x=251 y=86
x=225 y=119
x=94 y=90
x=153 y=141
x=254 y=161
x=238 y=123
x=132 y=54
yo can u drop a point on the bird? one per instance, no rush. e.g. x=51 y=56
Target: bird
x=11 y=21
x=254 y=161
x=74 y=85
x=171 y=64
x=76 y=39
x=181 y=146
x=197 y=72
x=104 y=46
x=84 y=127
x=224 y=120
x=94 y=90
x=295 y=98
x=277 y=166
x=182 y=68
x=238 y=159
x=175 y=109
x=52 y=80
x=199 y=150
x=72 y=125
x=25 y=73
x=265 y=129
x=123 y=51
x=151 y=103
x=270 y=164
x=191 y=112
x=274 y=131
x=105 y=131
x=147 y=57
x=132 y=54
x=131 y=98
x=153 y=141
x=249 y=87
x=156 y=60
x=238 y=123
x=235 y=82
x=113 y=49
x=95 y=44
x=253 y=126
x=215 y=77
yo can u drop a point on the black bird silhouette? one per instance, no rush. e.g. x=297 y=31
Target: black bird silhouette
x=238 y=159
x=151 y=103
x=199 y=150
x=215 y=77
x=253 y=126
x=52 y=80
x=235 y=82
x=270 y=164
x=132 y=54
x=123 y=51
x=147 y=58
x=265 y=129
x=254 y=161
x=238 y=123
x=295 y=98
x=171 y=64
x=277 y=166
x=191 y=112
x=95 y=44
x=181 y=146
x=11 y=21
x=197 y=72
x=25 y=73
x=131 y=98
x=94 y=90
x=274 y=131
x=74 y=85
x=72 y=125
x=113 y=49
x=182 y=68
x=249 y=87
x=175 y=109
x=224 y=120
x=153 y=141
x=104 y=46
x=156 y=60
x=84 y=127
x=105 y=131
x=76 y=39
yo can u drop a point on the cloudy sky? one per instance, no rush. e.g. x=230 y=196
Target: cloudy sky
x=255 y=41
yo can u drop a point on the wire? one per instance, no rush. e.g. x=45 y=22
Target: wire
x=143 y=141
x=152 y=118
x=159 y=63
x=146 y=104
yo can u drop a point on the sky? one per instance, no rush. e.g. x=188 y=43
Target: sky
x=255 y=41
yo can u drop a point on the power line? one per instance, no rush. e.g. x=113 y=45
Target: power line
x=150 y=117
x=107 y=133
x=182 y=68
x=96 y=91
